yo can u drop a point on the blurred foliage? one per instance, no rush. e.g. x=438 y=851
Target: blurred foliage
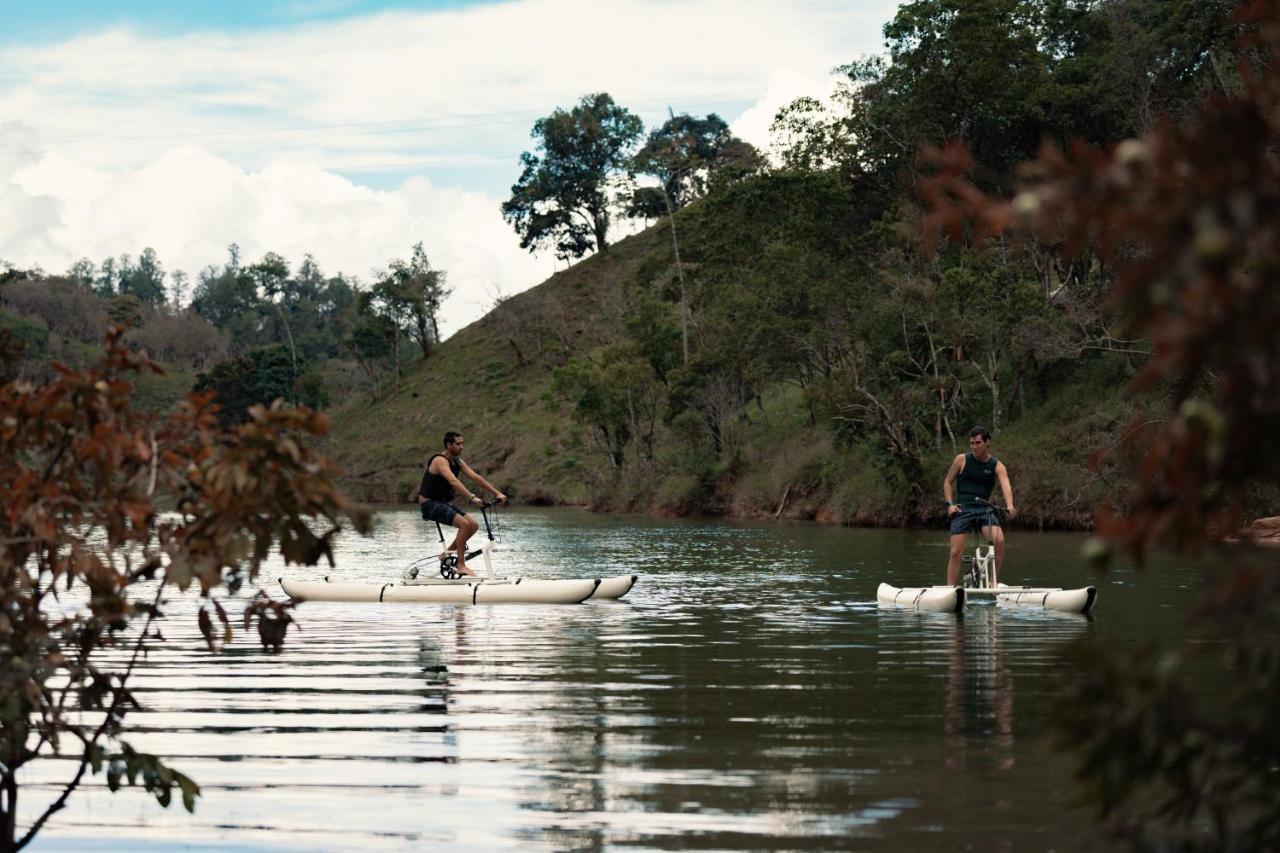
x=113 y=509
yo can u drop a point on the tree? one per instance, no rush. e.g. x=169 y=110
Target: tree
x=563 y=199
x=129 y=509
x=84 y=272
x=271 y=275
x=228 y=298
x=421 y=291
x=178 y=290
x=1188 y=217
x=146 y=280
x=370 y=342
x=388 y=302
x=257 y=378
x=105 y=284
x=685 y=153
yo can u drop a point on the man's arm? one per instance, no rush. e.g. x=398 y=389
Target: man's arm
x=1002 y=474
x=485 y=484
x=957 y=465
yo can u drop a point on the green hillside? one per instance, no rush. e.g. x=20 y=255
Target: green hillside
x=495 y=382
x=492 y=381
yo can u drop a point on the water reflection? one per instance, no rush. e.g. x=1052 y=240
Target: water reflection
x=979 y=691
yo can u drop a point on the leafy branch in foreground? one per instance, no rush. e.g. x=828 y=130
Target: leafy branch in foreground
x=1189 y=218
x=105 y=512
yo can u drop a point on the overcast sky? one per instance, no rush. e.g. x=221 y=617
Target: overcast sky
x=352 y=129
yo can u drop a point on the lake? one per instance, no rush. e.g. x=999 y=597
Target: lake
x=747 y=694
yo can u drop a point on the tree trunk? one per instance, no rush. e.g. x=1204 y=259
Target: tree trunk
x=424 y=335
x=600 y=225
x=684 y=302
x=395 y=349
x=288 y=333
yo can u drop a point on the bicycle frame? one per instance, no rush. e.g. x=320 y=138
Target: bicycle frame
x=980 y=566
x=446 y=561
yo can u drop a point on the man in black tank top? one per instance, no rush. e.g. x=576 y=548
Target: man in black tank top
x=975 y=474
x=439 y=485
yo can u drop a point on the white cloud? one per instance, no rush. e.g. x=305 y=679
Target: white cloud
x=187 y=143
x=191 y=204
x=25 y=217
x=785 y=85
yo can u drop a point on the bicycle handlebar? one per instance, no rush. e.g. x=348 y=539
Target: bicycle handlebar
x=986 y=504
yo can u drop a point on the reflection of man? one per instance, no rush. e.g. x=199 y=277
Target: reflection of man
x=974 y=474
x=440 y=483
x=979 y=694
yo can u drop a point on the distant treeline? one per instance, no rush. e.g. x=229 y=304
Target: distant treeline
x=252 y=332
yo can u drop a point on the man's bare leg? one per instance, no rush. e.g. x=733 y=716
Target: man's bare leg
x=953 y=559
x=466 y=527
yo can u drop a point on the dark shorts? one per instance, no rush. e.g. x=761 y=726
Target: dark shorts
x=972 y=520
x=439 y=511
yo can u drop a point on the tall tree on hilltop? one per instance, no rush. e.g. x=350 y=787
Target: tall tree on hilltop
x=421 y=289
x=563 y=198
x=84 y=272
x=687 y=155
x=145 y=280
x=271 y=274
x=105 y=283
x=685 y=152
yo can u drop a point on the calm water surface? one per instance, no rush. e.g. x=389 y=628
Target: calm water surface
x=747 y=694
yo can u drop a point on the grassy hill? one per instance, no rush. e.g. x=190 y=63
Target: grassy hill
x=492 y=381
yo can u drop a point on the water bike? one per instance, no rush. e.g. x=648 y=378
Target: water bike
x=976 y=575
x=434 y=579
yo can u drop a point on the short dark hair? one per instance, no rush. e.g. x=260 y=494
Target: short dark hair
x=450 y=437
x=980 y=431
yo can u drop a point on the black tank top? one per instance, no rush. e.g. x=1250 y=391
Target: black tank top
x=976 y=480
x=434 y=486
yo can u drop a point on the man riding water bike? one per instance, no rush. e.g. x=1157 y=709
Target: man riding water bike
x=440 y=483
x=974 y=476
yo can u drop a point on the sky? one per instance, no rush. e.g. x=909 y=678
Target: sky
x=353 y=129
